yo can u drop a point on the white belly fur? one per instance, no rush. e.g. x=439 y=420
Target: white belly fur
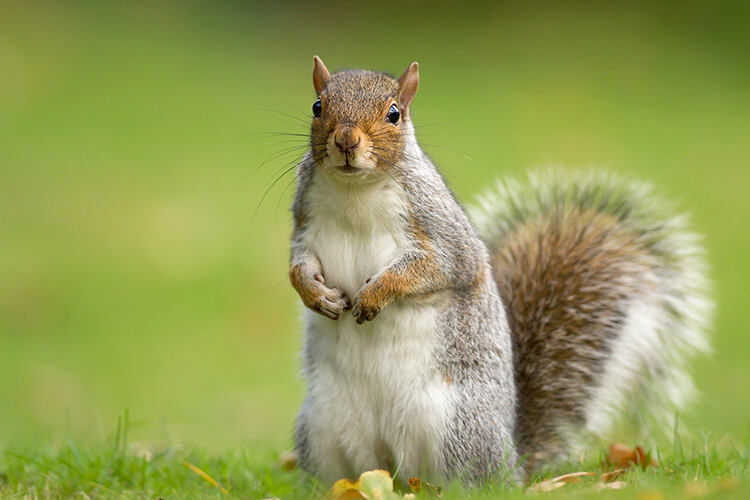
x=377 y=396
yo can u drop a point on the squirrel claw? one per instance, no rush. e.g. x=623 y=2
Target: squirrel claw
x=363 y=313
x=329 y=309
x=334 y=304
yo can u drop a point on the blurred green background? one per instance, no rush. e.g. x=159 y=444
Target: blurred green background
x=137 y=271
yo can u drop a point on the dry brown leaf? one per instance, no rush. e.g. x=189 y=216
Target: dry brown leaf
x=573 y=477
x=417 y=485
x=288 y=460
x=614 y=485
x=608 y=481
x=559 y=481
x=611 y=476
x=621 y=455
x=544 y=486
x=643 y=459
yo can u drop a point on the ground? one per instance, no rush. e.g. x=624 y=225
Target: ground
x=122 y=469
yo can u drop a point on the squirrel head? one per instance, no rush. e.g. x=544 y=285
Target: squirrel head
x=359 y=123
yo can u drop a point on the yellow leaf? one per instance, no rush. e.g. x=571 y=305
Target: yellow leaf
x=343 y=489
x=205 y=476
x=376 y=480
x=371 y=485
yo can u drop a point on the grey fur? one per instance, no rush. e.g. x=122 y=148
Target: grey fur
x=476 y=352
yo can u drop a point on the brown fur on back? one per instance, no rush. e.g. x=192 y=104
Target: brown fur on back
x=565 y=278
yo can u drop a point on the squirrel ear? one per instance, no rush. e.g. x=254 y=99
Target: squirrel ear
x=320 y=75
x=408 y=84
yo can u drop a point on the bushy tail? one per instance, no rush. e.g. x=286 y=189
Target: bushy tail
x=605 y=290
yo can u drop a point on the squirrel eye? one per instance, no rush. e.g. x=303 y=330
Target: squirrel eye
x=317 y=108
x=393 y=114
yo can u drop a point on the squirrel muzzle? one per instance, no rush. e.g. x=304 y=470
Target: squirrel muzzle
x=347 y=147
x=348 y=139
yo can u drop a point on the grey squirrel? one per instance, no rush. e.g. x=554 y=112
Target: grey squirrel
x=456 y=349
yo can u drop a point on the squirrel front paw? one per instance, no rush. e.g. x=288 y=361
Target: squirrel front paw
x=330 y=302
x=368 y=302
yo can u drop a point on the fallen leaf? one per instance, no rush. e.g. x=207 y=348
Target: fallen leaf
x=352 y=494
x=621 y=455
x=559 y=481
x=345 y=489
x=611 y=476
x=417 y=485
x=573 y=477
x=205 y=477
x=544 y=486
x=643 y=458
x=614 y=485
x=371 y=485
x=289 y=459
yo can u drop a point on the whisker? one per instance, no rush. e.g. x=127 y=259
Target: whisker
x=276 y=111
x=389 y=163
x=276 y=180
x=296 y=176
x=293 y=142
x=306 y=115
x=274 y=156
x=263 y=135
x=445 y=148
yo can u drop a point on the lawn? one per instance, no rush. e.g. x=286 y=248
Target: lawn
x=143 y=242
x=120 y=468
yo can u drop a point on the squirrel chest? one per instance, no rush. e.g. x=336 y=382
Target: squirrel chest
x=355 y=230
x=393 y=403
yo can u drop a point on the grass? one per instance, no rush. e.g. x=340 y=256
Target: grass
x=118 y=468
x=139 y=270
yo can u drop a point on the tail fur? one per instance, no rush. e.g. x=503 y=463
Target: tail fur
x=605 y=291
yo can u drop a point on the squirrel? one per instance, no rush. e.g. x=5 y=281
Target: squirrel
x=450 y=347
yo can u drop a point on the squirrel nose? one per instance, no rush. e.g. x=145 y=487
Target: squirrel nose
x=347 y=139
